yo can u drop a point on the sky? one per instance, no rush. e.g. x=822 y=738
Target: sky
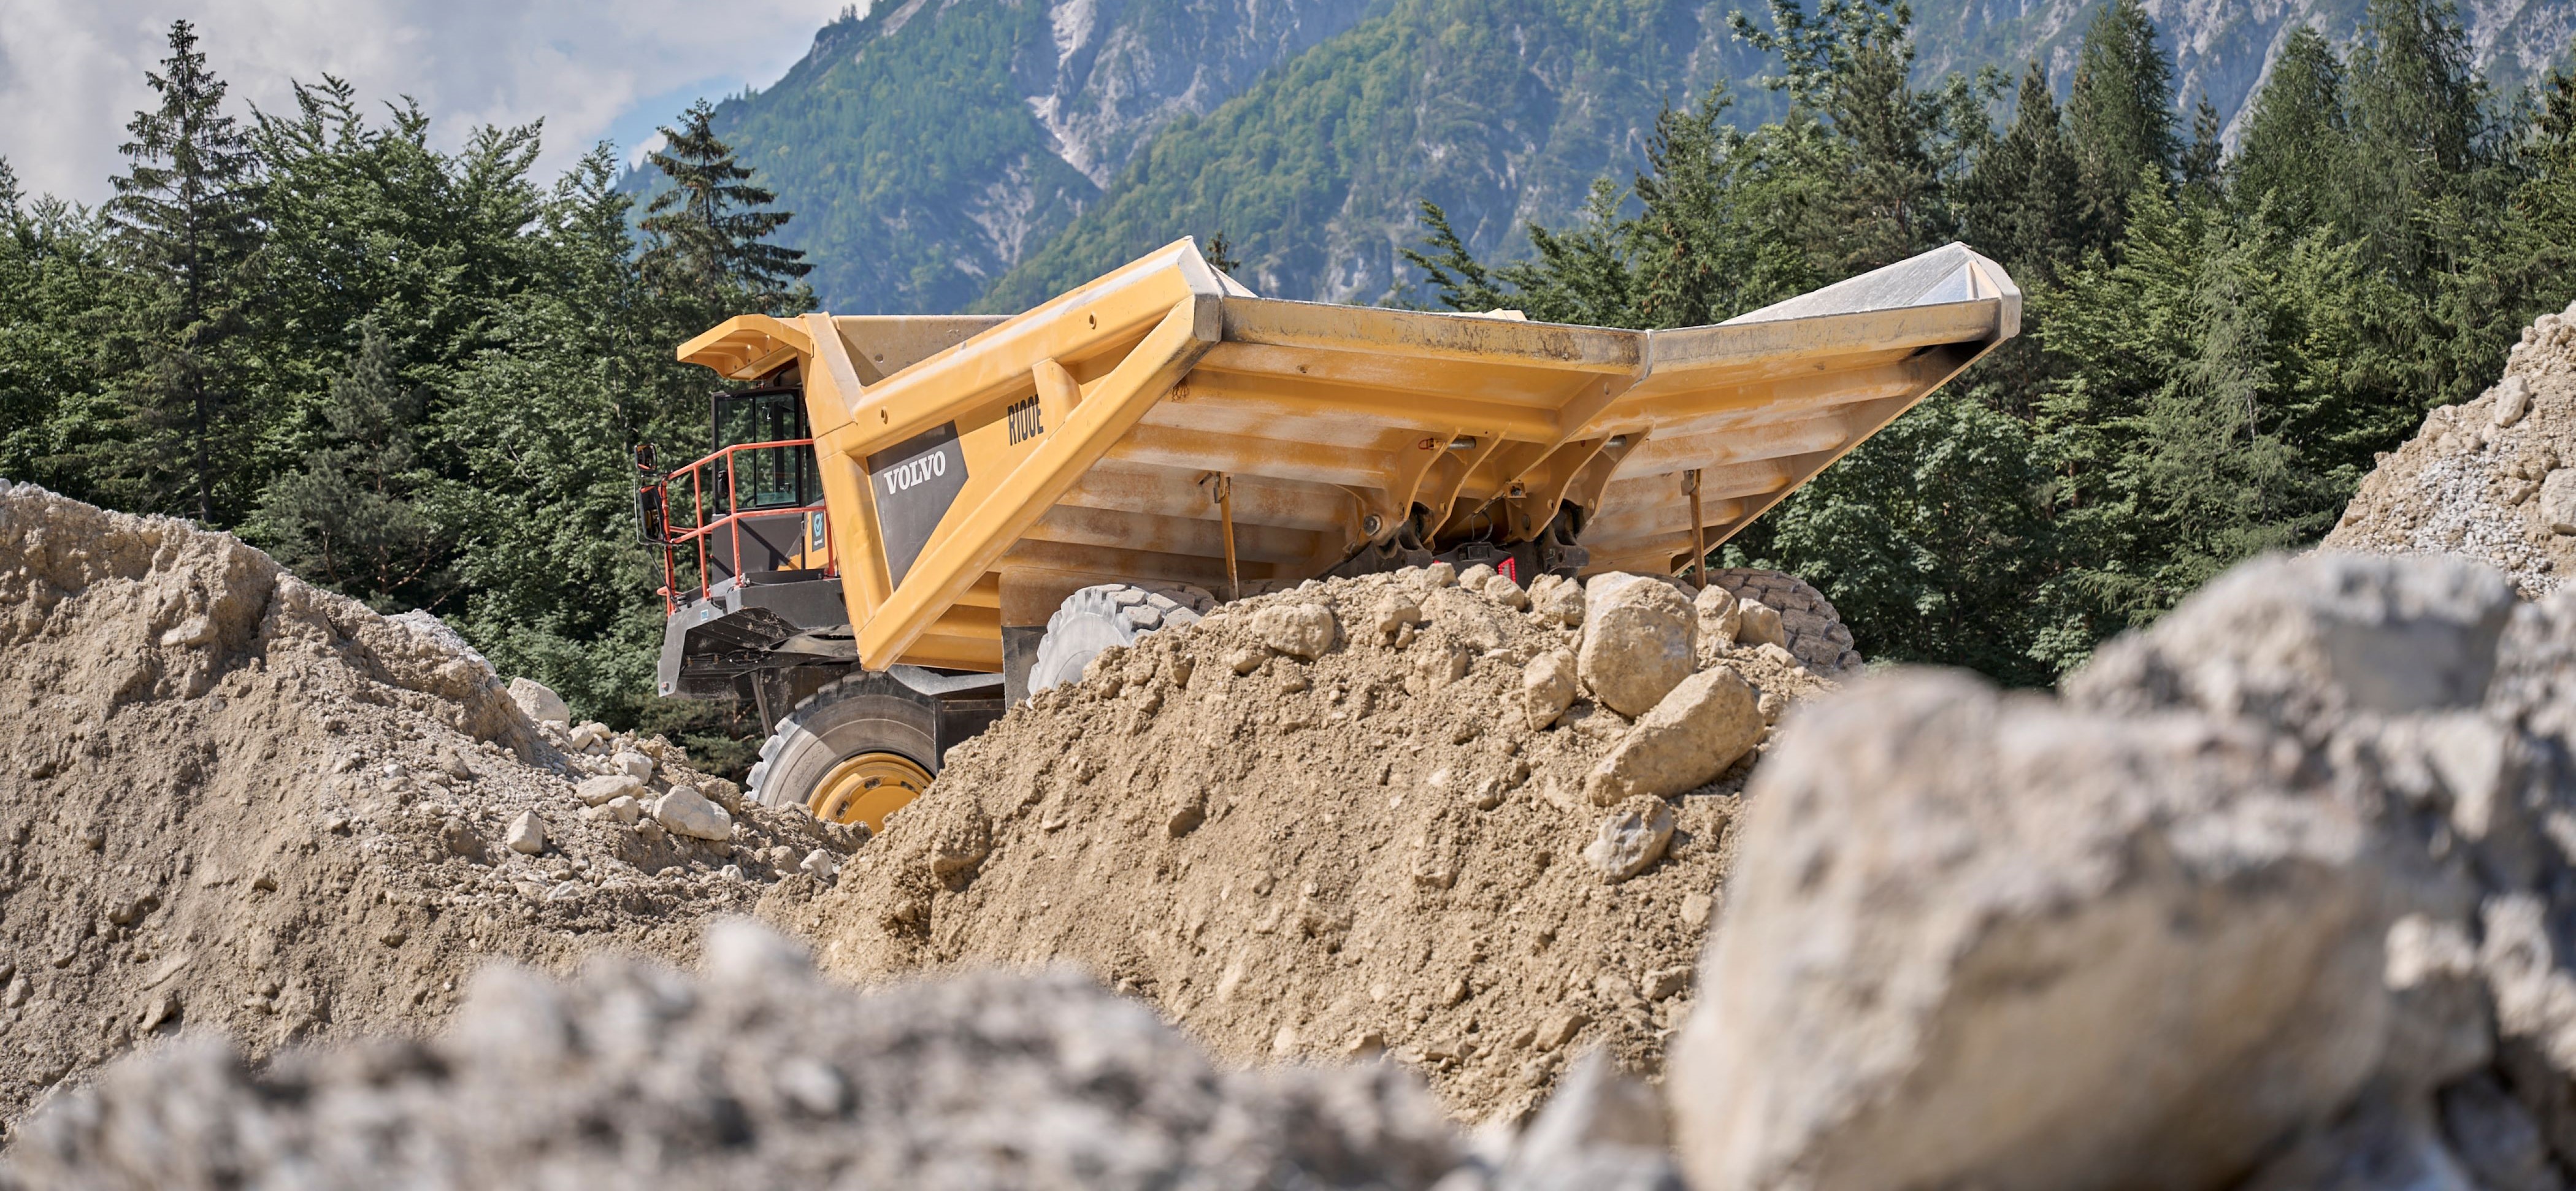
x=71 y=71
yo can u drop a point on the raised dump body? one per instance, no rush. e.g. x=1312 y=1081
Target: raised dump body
x=1164 y=426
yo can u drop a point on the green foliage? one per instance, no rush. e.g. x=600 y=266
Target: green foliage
x=353 y=518
x=185 y=220
x=2215 y=349
x=413 y=375
x=705 y=235
x=2120 y=113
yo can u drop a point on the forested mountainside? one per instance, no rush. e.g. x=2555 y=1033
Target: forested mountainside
x=989 y=152
x=927 y=148
x=2220 y=48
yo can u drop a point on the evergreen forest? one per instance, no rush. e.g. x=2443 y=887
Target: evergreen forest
x=417 y=376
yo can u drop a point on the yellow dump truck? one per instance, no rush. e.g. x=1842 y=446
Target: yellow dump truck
x=908 y=522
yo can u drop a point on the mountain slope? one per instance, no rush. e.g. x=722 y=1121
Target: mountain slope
x=1502 y=111
x=990 y=152
x=926 y=148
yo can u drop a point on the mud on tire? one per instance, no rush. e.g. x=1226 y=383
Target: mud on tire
x=1095 y=618
x=1816 y=633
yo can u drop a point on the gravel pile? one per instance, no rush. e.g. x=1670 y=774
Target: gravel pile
x=242 y=805
x=1432 y=814
x=2493 y=479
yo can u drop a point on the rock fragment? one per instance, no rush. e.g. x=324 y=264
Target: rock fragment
x=1758 y=624
x=633 y=765
x=459 y=839
x=2558 y=501
x=1685 y=741
x=684 y=811
x=1603 y=1130
x=1720 y=617
x=1394 y=613
x=1547 y=687
x=1299 y=630
x=540 y=702
x=527 y=835
x=2213 y=933
x=1632 y=838
x=1639 y=636
x=593 y=791
x=1557 y=599
x=2512 y=400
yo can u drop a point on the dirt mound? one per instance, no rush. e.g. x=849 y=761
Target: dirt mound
x=237 y=802
x=1319 y=823
x=756 y=1074
x=2493 y=479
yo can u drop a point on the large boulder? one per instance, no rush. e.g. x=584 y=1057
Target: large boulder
x=1639 y=638
x=2302 y=641
x=1983 y=940
x=1699 y=729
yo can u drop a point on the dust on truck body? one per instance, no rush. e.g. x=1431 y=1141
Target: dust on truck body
x=898 y=506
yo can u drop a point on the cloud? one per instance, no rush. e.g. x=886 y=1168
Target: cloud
x=71 y=71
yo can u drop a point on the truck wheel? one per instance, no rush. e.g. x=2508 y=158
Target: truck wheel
x=1815 y=631
x=1095 y=618
x=853 y=752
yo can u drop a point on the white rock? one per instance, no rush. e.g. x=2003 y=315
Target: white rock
x=624 y=809
x=586 y=736
x=2558 y=500
x=819 y=865
x=1473 y=578
x=2512 y=400
x=634 y=765
x=1547 y=687
x=527 y=834
x=1639 y=637
x=1558 y=599
x=1632 y=837
x=596 y=790
x=1758 y=623
x=539 y=701
x=684 y=811
x=2212 y=931
x=1690 y=737
x=1300 y=630
x=1719 y=616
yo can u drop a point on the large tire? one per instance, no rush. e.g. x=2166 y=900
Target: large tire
x=859 y=713
x=1816 y=633
x=1095 y=618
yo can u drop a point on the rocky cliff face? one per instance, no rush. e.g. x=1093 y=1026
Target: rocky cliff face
x=942 y=155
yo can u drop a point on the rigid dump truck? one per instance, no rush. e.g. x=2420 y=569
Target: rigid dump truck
x=907 y=523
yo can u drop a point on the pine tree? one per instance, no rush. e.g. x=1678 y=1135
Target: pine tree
x=186 y=217
x=2021 y=199
x=707 y=235
x=2203 y=160
x=2119 y=113
x=2296 y=147
x=359 y=516
x=2419 y=129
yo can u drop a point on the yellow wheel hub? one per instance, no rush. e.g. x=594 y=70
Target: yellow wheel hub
x=866 y=788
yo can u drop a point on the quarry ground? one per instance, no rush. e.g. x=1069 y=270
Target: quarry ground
x=1418 y=878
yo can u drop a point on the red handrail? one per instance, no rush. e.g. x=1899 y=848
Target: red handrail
x=816 y=525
